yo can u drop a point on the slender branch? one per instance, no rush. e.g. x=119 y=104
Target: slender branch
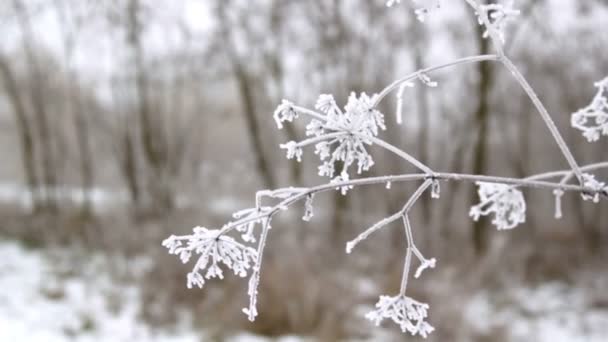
x=535 y=181
x=314 y=140
x=504 y=59
x=399 y=152
x=408 y=255
x=545 y=115
x=309 y=112
x=254 y=281
x=415 y=75
x=406 y=208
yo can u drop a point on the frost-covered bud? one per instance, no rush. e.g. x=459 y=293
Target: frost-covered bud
x=315 y=127
x=597 y=188
x=293 y=150
x=284 y=112
x=326 y=103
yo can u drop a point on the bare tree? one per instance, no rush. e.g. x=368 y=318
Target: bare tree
x=37 y=99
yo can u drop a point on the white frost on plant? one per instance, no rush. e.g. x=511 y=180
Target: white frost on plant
x=504 y=201
x=251 y=217
x=285 y=112
x=308 y=208
x=436 y=189
x=293 y=150
x=593 y=119
x=339 y=136
x=597 y=188
x=558 y=193
x=498 y=15
x=400 y=100
x=406 y=312
x=214 y=249
x=360 y=121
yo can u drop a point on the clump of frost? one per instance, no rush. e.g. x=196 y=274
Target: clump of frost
x=285 y=112
x=214 y=249
x=406 y=312
x=597 y=188
x=593 y=119
x=504 y=201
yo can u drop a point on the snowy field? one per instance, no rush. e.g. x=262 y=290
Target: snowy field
x=43 y=299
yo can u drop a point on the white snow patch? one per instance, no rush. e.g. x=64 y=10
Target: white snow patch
x=39 y=305
x=552 y=312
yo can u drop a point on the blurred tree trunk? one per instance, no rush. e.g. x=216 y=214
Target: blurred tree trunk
x=245 y=86
x=153 y=138
x=481 y=115
x=76 y=106
x=278 y=76
x=125 y=147
x=24 y=129
x=422 y=107
x=37 y=98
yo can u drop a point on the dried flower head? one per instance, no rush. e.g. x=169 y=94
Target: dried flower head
x=409 y=314
x=214 y=249
x=506 y=202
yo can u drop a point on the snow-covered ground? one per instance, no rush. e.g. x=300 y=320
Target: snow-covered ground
x=42 y=301
x=552 y=312
x=44 y=298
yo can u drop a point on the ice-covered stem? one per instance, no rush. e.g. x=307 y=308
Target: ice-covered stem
x=254 y=281
x=406 y=208
x=385 y=145
x=415 y=75
x=412 y=249
x=506 y=61
x=403 y=155
x=537 y=181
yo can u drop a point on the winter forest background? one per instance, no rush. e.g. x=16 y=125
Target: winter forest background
x=125 y=121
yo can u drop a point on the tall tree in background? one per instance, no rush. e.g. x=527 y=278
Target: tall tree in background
x=36 y=92
x=481 y=123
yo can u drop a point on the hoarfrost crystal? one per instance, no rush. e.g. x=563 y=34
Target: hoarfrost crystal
x=409 y=314
x=505 y=202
